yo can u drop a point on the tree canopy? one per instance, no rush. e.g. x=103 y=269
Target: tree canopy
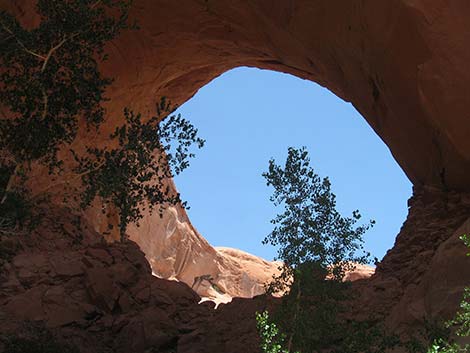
x=51 y=87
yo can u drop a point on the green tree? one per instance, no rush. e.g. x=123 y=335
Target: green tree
x=51 y=86
x=311 y=230
x=135 y=174
x=316 y=243
x=50 y=82
x=50 y=78
x=272 y=340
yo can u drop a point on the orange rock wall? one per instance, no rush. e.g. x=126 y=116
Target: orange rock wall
x=402 y=63
x=423 y=275
x=404 y=66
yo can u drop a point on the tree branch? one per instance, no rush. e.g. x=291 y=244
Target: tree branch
x=21 y=43
x=297 y=307
x=53 y=49
x=45 y=100
x=9 y=184
x=43 y=67
x=74 y=177
x=95 y=4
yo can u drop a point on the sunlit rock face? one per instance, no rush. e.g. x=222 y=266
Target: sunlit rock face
x=403 y=64
x=175 y=250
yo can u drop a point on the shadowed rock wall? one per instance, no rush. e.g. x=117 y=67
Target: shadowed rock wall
x=404 y=66
x=402 y=63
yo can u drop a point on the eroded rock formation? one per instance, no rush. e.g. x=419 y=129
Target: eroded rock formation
x=103 y=298
x=100 y=297
x=403 y=64
x=423 y=275
x=176 y=250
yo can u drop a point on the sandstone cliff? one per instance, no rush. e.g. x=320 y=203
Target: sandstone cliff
x=175 y=250
x=402 y=64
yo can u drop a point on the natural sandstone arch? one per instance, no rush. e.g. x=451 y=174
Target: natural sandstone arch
x=402 y=64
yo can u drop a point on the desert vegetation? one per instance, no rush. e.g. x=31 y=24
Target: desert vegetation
x=318 y=246
x=51 y=89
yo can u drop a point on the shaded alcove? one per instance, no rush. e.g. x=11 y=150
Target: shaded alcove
x=248 y=116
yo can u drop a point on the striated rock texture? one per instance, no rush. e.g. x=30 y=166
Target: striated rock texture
x=175 y=250
x=402 y=64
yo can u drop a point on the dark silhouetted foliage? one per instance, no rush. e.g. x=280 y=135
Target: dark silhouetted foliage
x=317 y=246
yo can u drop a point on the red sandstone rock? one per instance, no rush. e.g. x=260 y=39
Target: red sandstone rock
x=403 y=65
x=359 y=272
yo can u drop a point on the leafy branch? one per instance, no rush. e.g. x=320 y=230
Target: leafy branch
x=50 y=77
x=317 y=246
x=50 y=84
x=135 y=175
x=461 y=321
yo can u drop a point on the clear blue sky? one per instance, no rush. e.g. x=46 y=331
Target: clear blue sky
x=248 y=116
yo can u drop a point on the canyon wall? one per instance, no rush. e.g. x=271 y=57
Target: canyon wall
x=176 y=250
x=401 y=63
x=103 y=298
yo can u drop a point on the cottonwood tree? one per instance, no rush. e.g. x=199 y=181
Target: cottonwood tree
x=134 y=175
x=50 y=82
x=315 y=243
x=50 y=78
x=51 y=86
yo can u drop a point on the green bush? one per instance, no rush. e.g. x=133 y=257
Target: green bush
x=272 y=340
x=461 y=321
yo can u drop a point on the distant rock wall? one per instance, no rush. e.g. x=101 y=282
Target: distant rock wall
x=176 y=250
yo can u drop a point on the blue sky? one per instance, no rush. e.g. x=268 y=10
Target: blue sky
x=248 y=116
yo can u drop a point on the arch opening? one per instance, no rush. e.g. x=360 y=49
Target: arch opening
x=248 y=116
